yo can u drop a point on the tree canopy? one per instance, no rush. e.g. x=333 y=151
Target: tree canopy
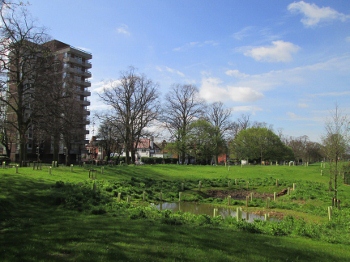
x=260 y=143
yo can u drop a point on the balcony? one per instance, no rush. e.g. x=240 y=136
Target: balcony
x=86 y=83
x=85 y=102
x=85 y=64
x=83 y=92
x=87 y=74
x=83 y=83
x=78 y=71
x=86 y=112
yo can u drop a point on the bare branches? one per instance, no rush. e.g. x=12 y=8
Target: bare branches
x=134 y=100
x=23 y=61
x=182 y=107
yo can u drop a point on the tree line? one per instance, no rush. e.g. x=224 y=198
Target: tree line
x=198 y=132
x=40 y=97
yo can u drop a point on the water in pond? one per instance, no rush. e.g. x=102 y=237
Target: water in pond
x=206 y=209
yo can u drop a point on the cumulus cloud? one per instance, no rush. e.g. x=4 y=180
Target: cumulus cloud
x=314 y=15
x=123 y=29
x=212 y=90
x=279 y=51
x=99 y=87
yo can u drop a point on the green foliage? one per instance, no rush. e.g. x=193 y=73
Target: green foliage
x=260 y=143
x=79 y=197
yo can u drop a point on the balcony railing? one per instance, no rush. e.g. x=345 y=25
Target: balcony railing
x=69 y=59
x=85 y=102
x=84 y=83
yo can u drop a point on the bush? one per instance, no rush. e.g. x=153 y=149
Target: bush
x=98 y=211
x=158 y=160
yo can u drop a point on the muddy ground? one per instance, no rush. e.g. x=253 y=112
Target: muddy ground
x=236 y=194
x=242 y=194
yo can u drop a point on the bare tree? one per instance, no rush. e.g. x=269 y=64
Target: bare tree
x=335 y=142
x=242 y=123
x=219 y=117
x=109 y=139
x=50 y=106
x=23 y=59
x=298 y=146
x=134 y=104
x=182 y=107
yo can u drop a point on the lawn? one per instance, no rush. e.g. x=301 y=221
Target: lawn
x=66 y=216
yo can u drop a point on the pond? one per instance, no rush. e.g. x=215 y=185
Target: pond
x=208 y=209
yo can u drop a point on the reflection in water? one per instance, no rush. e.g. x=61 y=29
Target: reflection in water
x=207 y=209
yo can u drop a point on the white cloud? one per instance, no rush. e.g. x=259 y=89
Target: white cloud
x=303 y=105
x=243 y=33
x=212 y=90
x=174 y=71
x=345 y=93
x=170 y=70
x=123 y=29
x=296 y=76
x=236 y=73
x=292 y=115
x=314 y=14
x=252 y=109
x=99 y=87
x=279 y=51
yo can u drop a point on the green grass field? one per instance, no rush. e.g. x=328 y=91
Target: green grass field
x=66 y=216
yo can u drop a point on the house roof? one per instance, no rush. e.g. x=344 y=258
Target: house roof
x=145 y=143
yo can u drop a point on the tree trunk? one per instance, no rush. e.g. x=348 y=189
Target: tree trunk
x=55 y=149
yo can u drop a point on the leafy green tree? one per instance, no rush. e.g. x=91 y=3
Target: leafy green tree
x=260 y=143
x=203 y=141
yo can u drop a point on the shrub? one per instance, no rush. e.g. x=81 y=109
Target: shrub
x=98 y=211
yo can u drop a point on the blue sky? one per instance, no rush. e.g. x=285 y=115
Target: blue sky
x=281 y=62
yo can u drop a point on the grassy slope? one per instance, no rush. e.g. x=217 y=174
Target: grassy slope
x=32 y=229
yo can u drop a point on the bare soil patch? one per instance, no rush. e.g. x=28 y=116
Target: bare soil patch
x=237 y=194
